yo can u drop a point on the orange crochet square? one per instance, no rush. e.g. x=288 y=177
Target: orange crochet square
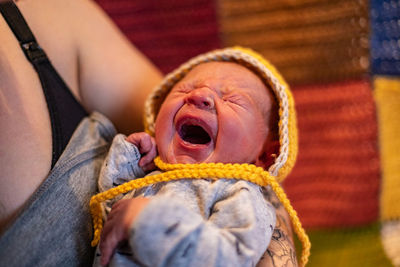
x=335 y=181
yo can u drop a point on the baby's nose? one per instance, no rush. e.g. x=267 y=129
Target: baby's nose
x=201 y=97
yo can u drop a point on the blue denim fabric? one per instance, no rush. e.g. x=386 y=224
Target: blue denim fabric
x=54 y=228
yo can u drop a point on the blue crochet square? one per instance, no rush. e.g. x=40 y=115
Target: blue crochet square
x=385 y=37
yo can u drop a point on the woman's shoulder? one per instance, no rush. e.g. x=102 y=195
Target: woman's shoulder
x=94 y=57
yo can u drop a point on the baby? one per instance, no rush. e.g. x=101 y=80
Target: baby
x=213 y=110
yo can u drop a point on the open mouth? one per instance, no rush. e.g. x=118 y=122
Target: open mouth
x=194 y=134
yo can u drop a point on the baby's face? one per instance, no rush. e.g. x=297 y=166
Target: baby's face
x=214 y=114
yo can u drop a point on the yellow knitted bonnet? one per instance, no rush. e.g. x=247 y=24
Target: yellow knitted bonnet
x=252 y=60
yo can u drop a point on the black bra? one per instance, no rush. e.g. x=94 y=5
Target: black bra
x=64 y=110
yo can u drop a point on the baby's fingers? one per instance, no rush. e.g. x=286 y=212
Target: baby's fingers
x=109 y=241
x=147 y=159
x=147 y=144
x=107 y=248
x=144 y=142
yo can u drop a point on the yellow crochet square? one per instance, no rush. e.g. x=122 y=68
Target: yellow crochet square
x=387 y=97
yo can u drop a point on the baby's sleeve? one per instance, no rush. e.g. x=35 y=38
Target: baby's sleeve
x=121 y=164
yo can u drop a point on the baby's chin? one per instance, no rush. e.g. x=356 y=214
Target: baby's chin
x=186 y=155
x=183 y=159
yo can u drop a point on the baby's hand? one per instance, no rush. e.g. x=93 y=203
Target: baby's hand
x=147 y=148
x=119 y=221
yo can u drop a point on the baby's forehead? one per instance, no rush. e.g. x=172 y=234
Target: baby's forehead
x=230 y=73
x=221 y=66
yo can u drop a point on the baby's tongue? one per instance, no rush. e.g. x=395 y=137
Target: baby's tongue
x=194 y=134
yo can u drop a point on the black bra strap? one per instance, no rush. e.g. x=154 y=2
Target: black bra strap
x=20 y=28
x=64 y=110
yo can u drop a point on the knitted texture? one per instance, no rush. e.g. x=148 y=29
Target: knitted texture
x=168 y=32
x=323 y=46
x=387 y=96
x=309 y=41
x=348 y=247
x=336 y=180
x=254 y=61
x=172 y=172
x=385 y=45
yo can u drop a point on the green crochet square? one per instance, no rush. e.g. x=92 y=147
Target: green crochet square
x=358 y=246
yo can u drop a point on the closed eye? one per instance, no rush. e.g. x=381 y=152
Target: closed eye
x=237 y=99
x=182 y=88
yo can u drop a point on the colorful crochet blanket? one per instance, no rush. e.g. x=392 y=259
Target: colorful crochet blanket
x=342 y=60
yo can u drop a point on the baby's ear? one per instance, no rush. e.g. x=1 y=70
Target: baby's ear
x=268 y=155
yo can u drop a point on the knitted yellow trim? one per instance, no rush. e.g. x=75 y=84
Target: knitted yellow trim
x=247 y=172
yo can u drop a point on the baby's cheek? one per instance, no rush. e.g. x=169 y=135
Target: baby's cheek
x=233 y=144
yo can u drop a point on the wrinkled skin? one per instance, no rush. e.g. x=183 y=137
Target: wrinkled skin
x=228 y=102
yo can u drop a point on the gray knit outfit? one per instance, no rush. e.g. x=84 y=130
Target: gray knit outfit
x=189 y=222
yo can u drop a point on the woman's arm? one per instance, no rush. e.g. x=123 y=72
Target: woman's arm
x=281 y=251
x=114 y=77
